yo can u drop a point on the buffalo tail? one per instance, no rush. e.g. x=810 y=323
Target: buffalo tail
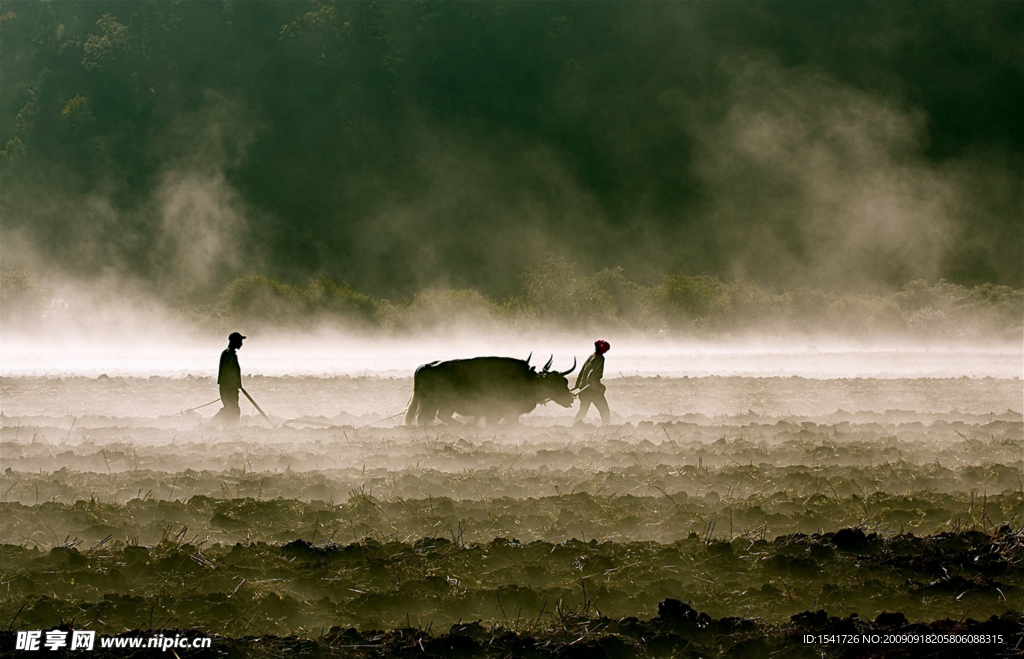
x=414 y=404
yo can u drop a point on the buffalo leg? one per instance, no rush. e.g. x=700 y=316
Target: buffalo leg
x=427 y=412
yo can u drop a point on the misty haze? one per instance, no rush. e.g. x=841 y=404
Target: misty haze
x=749 y=276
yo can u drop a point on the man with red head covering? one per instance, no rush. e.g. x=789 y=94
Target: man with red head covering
x=589 y=384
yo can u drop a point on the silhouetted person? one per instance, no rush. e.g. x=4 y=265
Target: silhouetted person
x=589 y=384
x=229 y=377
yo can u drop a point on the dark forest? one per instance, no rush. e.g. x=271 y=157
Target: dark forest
x=399 y=147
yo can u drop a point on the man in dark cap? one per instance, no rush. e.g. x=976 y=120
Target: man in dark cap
x=229 y=377
x=591 y=390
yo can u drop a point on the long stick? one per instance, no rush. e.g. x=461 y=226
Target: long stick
x=192 y=409
x=256 y=406
x=581 y=390
x=384 y=419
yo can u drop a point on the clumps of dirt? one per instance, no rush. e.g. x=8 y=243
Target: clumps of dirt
x=277 y=589
x=677 y=631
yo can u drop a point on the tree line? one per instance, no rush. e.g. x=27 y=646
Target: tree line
x=321 y=118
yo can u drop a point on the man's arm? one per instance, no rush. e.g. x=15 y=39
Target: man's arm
x=221 y=369
x=583 y=379
x=236 y=371
x=230 y=373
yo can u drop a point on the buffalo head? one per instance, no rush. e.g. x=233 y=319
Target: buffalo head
x=553 y=385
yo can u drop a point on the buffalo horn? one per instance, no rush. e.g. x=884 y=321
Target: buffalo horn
x=571 y=369
x=529 y=356
x=550 y=361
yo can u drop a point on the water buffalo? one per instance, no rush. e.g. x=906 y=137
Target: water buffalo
x=494 y=388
